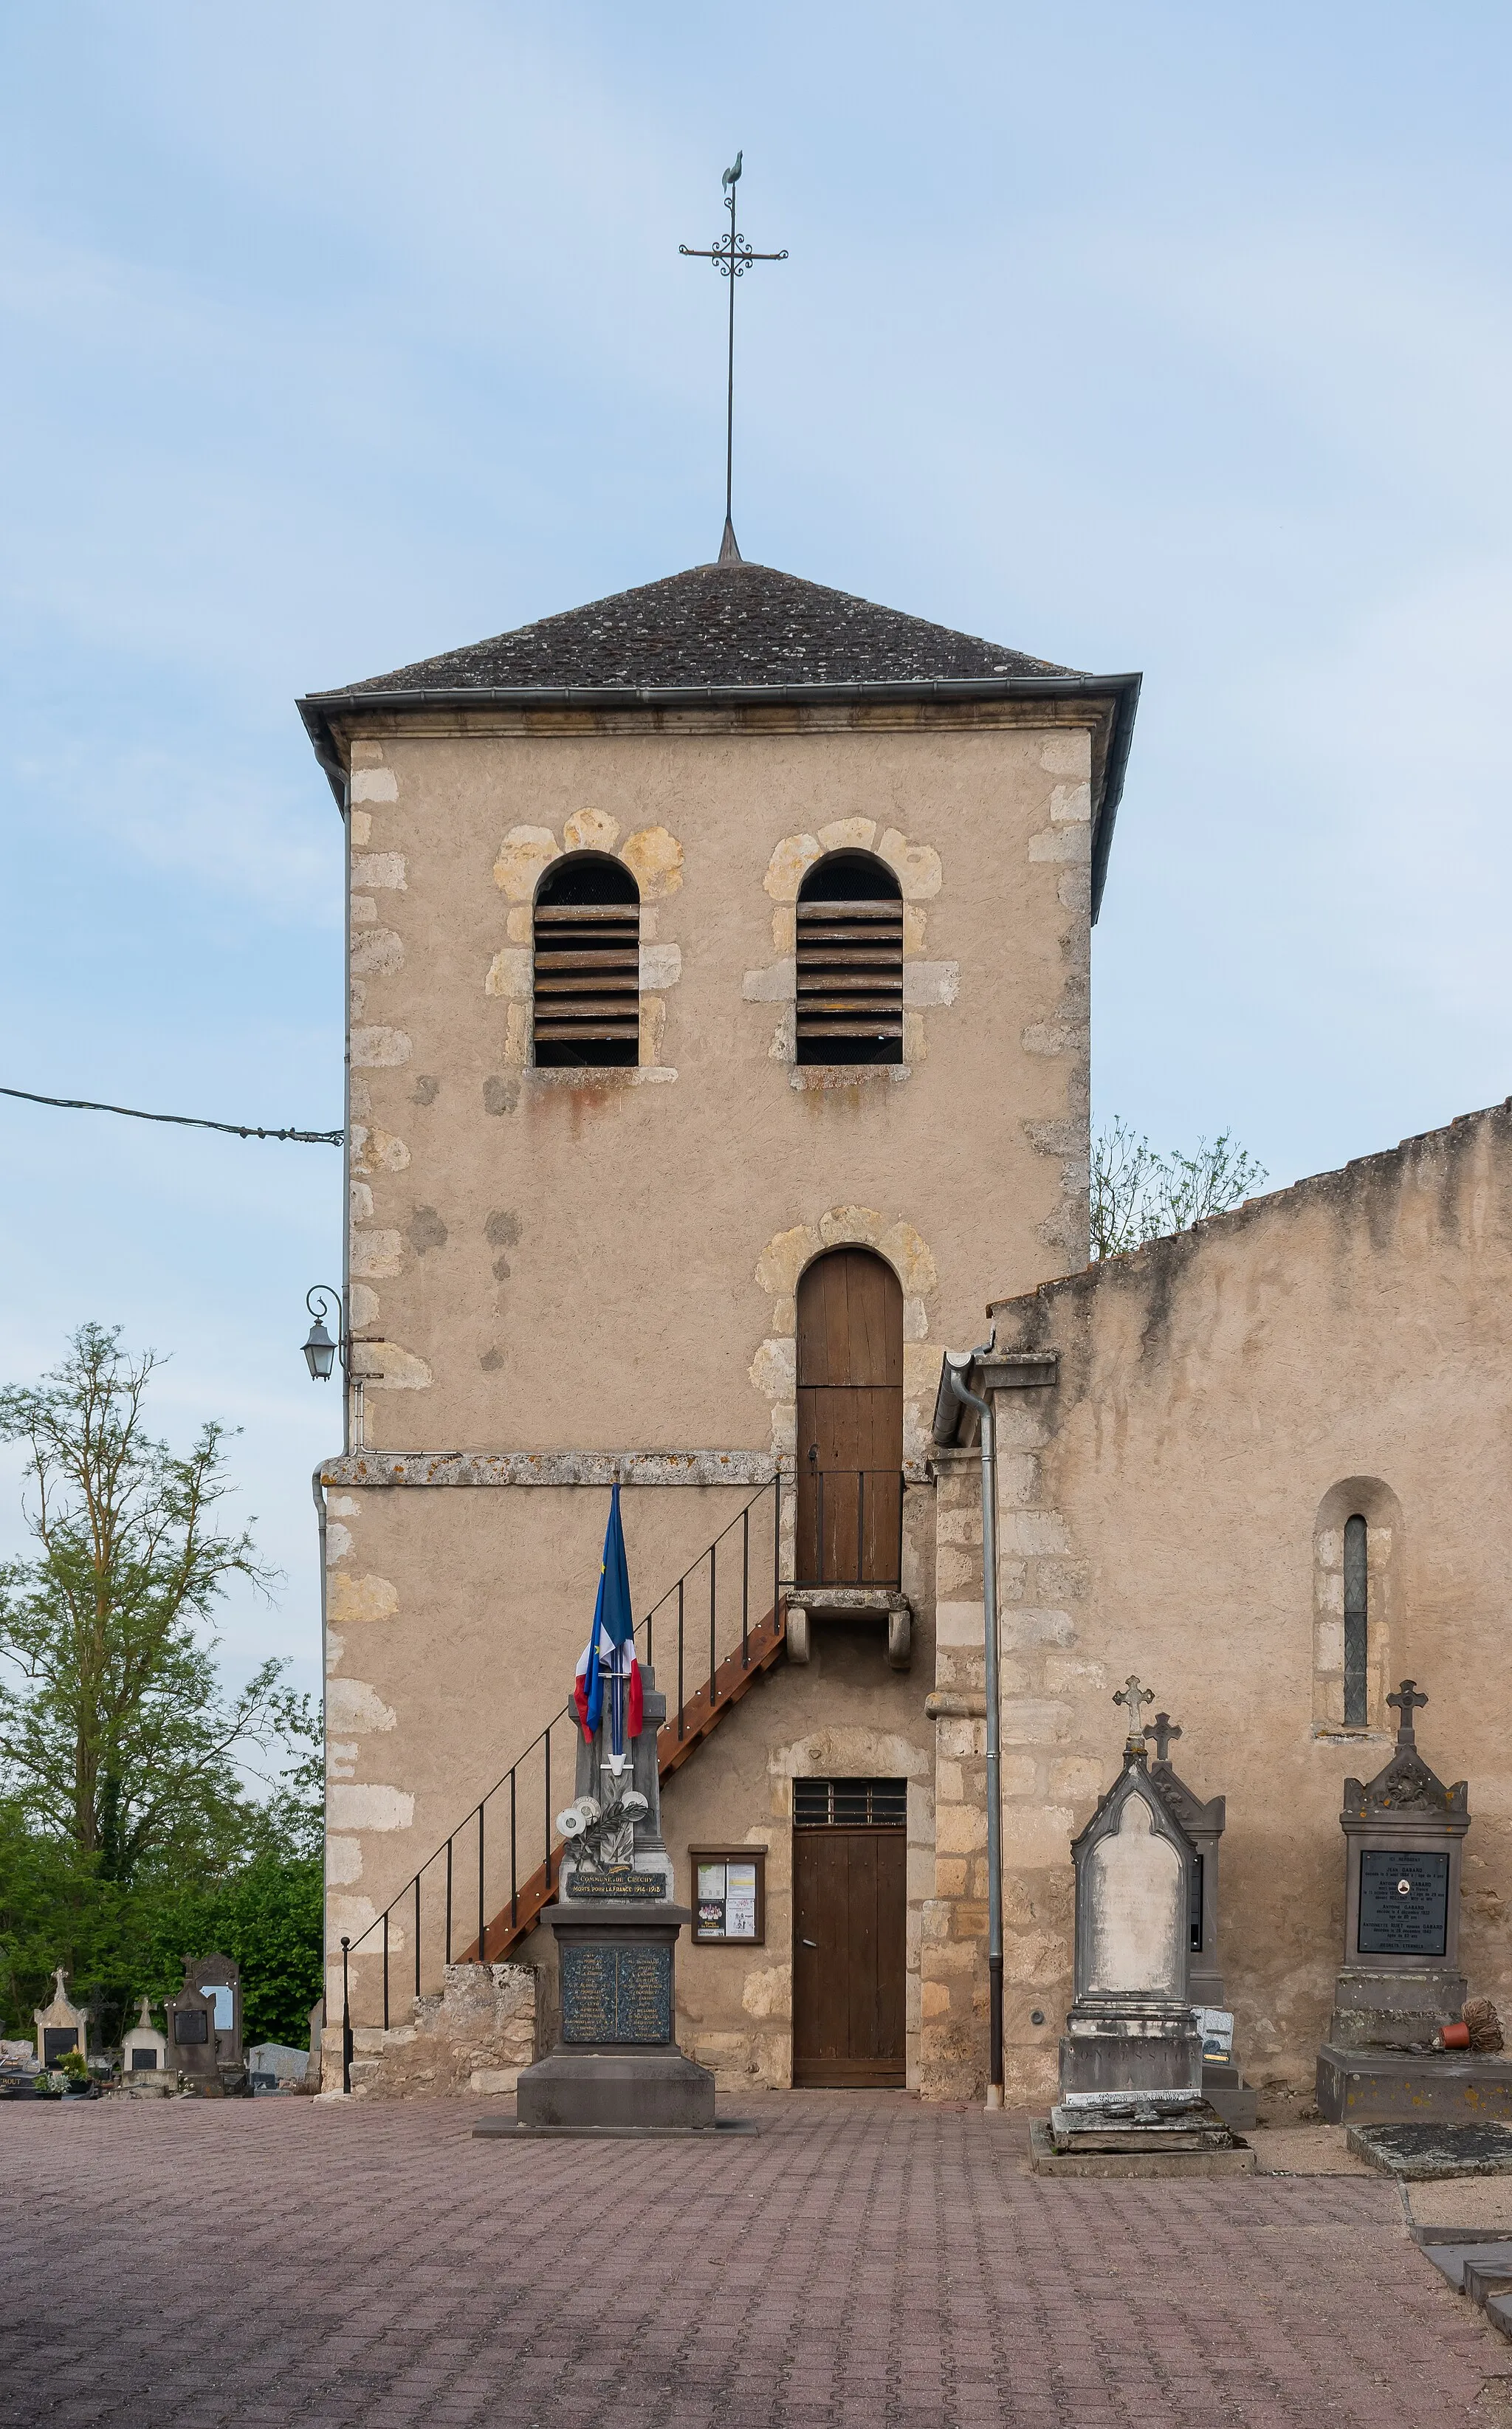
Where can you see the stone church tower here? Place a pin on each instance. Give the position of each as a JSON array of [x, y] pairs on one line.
[[718, 1047], [718, 1057]]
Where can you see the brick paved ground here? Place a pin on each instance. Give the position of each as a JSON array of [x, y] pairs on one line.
[[863, 2261]]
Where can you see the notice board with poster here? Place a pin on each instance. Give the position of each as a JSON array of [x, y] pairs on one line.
[[728, 1895]]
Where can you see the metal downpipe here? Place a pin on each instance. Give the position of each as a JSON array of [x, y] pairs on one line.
[[994, 1806]]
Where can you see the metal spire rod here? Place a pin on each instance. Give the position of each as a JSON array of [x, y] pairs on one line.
[[732, 257]]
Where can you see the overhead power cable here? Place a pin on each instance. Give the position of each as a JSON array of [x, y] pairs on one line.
[[185, 1122]]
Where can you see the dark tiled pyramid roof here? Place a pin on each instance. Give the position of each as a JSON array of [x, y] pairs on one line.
[[716, 624]]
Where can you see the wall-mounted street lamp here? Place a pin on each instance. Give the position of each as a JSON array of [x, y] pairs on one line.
[[320, 1351]]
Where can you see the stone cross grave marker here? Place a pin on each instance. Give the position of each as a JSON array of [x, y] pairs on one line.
[[1162, 1733], [1133, 1694]]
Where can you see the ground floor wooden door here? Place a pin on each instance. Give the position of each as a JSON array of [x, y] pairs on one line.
[[849, 1900]]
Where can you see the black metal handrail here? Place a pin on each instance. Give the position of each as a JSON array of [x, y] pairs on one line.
[[832, 1565], [527, 1785]]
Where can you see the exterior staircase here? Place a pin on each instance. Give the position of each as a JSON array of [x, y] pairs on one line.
[[485, 1888], [677, 1740]]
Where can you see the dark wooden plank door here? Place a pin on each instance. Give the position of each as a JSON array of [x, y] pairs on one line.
[[850, 1892], [850, 1420]]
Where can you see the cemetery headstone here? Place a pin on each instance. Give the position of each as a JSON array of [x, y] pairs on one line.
[[616, 2064], [220, 1978], [1400, 1983], [1203, 1820], [60, 2026], [273, 2066], [1131, 2057], [190, 2015], [144, 2053]]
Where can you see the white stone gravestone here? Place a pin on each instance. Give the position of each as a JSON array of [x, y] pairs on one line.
[[145, 2055], [1131, 2058]]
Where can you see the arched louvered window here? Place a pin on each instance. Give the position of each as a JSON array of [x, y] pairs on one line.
[[587, 962], [850, 961], [1356, 1622]]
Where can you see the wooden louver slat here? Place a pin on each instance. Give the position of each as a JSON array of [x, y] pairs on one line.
[[587, 977], [851, 972]]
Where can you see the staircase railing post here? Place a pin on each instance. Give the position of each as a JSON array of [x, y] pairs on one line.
[[776, 1540], [417, 1935], [448, 1957], [860, 1526], [482, 1923], [680, 1657], [745, 1585], [386, 1912], [714, 1602], [346, 2017], [514, 1887]]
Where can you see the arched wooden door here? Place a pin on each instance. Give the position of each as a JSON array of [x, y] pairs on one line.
[[850, 1421]]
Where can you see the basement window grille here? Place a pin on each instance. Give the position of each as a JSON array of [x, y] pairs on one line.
[[850, 961], [588, 964], [850, 1804]]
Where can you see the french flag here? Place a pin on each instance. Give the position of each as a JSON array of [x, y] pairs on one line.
[[608, 1659]]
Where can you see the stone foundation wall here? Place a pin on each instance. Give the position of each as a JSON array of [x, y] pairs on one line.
[[472, 2036]]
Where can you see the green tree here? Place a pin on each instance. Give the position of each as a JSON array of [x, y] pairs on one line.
[[128, 1837], [1138, 1195], [115, 1733]]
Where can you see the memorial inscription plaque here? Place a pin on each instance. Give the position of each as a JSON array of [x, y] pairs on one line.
[[192, 2025], [617, 1885], [616, 1995], [1404, 1902]]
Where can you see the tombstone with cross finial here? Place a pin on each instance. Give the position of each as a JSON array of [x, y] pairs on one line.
[[1203, 1820], [61, 2027], [1400, 1983], [1131, 2030]]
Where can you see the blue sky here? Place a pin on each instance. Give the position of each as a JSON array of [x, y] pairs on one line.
[[1174, 339]]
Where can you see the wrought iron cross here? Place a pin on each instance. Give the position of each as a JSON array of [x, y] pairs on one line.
[[1406, 1701], [732, 257], [1163, 1731], [1133, 1694]]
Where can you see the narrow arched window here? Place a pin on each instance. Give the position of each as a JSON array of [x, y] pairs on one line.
[[587, 962], [850, 961], [1357, 1620]]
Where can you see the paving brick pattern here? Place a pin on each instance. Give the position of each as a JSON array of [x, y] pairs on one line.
[[865, 2260]]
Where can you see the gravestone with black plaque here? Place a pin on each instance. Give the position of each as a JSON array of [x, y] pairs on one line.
[[616, 2067], [1400, 1983], [145, 2062], [189, 2016], [61, 2027], [209, 2049]]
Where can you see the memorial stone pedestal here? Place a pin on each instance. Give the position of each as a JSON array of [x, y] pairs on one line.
[[1131, 2058], [1400, 1983], [617, 2068]]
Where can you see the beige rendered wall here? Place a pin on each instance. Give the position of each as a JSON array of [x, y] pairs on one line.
[[1174, 1507], [570, 1263]]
